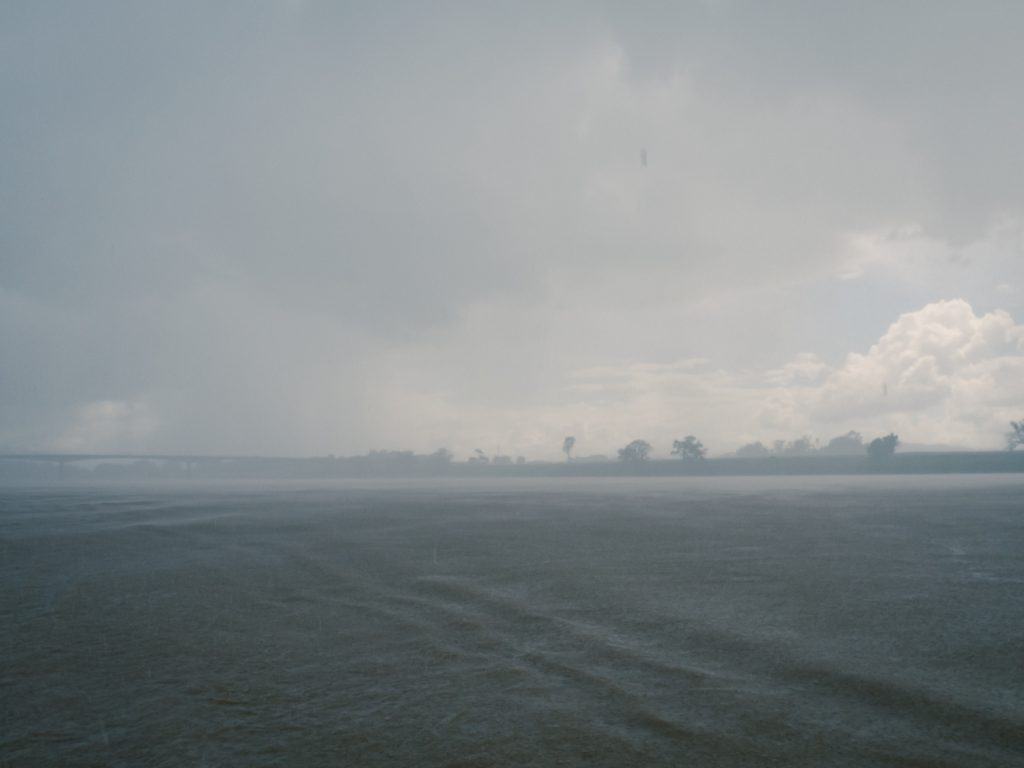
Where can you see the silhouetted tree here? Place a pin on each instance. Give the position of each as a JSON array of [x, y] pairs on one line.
[[635, 451], [1015, 436], [883, 447], [567, 446], [851, 442], [689, 448], [752, 450], [799, 447]]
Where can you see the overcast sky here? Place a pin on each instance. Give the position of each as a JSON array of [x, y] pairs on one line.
[[298, 228]]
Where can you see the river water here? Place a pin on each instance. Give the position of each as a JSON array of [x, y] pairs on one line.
[[848, 621]]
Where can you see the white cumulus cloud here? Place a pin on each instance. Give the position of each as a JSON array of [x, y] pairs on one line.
[[942, 374]]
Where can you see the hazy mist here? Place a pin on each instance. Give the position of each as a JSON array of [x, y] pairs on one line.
[[309, 228]]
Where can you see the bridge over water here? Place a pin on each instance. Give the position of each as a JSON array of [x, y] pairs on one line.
[[188, 460]]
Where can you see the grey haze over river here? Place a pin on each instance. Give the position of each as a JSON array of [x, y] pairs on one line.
[[855, 621]]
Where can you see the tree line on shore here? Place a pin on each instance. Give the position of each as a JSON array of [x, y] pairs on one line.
[[408, 463], [851, 443], [690, 448]]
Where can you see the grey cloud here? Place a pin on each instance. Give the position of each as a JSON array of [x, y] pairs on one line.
[[256, 220]]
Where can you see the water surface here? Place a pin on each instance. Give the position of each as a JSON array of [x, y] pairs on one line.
[[684, 621]]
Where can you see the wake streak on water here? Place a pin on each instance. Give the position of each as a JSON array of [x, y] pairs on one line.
[[712, 622]]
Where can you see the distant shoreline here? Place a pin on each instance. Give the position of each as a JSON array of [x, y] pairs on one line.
[[58, 466], [974, 462]]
